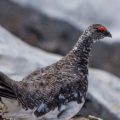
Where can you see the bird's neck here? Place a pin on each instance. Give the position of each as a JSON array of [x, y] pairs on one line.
[[81, 53]]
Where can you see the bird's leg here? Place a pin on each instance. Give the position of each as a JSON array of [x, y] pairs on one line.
[[70, 111]]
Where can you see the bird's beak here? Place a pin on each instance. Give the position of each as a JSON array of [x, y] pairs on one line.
[[108, 34]]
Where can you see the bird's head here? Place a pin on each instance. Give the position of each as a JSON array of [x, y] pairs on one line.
[[97, 31]]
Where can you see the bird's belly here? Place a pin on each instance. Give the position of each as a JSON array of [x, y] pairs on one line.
[[65, 112]]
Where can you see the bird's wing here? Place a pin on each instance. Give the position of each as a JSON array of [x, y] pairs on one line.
[[43, 79], [40, 89], [44, 89]]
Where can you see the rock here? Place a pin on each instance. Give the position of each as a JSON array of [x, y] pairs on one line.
[[105, 88], [105, 56], [52, 35], [78, 118], [17, 59], [37, 29], [87, 118]]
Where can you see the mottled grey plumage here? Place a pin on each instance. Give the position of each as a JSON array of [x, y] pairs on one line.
[[60, 87]]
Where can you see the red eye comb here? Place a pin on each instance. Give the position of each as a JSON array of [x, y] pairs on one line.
[[102, 28]]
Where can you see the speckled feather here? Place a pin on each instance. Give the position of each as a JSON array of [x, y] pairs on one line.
[[54, 85]]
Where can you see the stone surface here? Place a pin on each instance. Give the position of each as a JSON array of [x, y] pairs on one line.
[[17, 59], [37, 29], [105, 56], [87, 118], [105, 88]]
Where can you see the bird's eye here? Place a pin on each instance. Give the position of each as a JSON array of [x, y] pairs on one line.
[[102, 29]]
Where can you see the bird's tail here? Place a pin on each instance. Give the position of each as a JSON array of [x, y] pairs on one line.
[[6, 86]]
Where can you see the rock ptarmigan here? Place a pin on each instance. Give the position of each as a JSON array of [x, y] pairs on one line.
[[55, 92]]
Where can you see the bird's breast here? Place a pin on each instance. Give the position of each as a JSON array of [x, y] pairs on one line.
[[66, 111]]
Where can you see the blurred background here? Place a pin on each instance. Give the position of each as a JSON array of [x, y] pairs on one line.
[[55, 26]]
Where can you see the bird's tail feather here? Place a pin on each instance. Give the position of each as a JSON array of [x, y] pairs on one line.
[[6, 93], [6, 84]]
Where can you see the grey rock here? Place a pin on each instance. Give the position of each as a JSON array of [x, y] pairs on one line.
[[52, 35], [17, 59], [37, 29], [105, 88], [105, 56]]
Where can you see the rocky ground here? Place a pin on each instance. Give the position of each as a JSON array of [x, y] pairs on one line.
[[78, 118]]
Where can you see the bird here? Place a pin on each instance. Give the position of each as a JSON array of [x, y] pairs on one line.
[[55, 92]]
